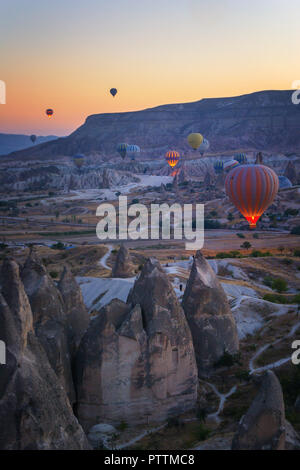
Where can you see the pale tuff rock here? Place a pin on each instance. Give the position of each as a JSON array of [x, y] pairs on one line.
[[34, 410], [77, 315], [136, 361], [209, 316], [263, 427], [123, 266], [49, 319]]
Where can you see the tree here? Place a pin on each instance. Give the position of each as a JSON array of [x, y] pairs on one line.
[[281, 249], [230, 217], [246, 245]]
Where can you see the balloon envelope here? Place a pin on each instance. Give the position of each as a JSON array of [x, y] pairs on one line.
[[78, 160], [252, 189], [113, 91], [49, 112], [33, 138], [172, 158], [122, 149], [219, 166], [195, 140], [230, 164], [241, 158], [284, 182], [204, 146], [132, 151]]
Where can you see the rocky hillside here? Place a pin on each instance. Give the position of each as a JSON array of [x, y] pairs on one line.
[[264, 120]]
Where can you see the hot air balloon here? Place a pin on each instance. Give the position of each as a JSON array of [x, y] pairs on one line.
[[172, 158], [33, 138], [284, 182], [49, 112], [204, 146], [230, 164], [252, 189], [113, 91], [195, 140], [122, 149], [132, 151], [241, 158], [219, 166], [78, 161]]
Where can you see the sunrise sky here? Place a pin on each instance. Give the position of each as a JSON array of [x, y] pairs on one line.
[[67, 54]]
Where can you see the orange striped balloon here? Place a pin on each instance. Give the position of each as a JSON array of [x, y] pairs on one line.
[[252, 189], [172, 158]]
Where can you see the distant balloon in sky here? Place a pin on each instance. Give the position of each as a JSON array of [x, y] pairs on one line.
[[195, 140], [230, 164], [113, 91], [252, 189], [122, 149], [49, 112], [204, 146], [172, 158], [33, 138], [78, 160], [132, 151]]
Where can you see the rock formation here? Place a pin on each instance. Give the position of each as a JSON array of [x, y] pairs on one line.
[[49, 319], [209, 316], [77, 316], [136, 361], [34, 410], [263, 426], [123, 266], [290, 173]]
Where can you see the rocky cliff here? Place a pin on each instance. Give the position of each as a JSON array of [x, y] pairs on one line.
[[264, 120], [209, 316], [136, 361]]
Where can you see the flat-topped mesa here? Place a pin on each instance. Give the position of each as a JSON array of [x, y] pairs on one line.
[[209, 316], [49, 319], [263, 427], [123, 266], [136, 361]]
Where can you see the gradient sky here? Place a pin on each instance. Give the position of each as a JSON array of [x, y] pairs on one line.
[[67, 54]]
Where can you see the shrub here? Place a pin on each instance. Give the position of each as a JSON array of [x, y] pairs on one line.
[[287, 261], [279, 285], [295, 230], [240, 235], [58, 246], [53, 274], [255, 235], [256, 254], [135, 201], [246, 245], [222, 255], [268, 281], [243, 375], [202, 432], [122, 426], [276, 298], [297, 253], [227, 360]]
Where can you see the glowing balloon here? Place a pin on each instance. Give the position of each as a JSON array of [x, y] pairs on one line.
[[172, 158], [195, 140], [132, 151], [49, 112], [33, 138], [122, 149], [113, 91], [252, 189]]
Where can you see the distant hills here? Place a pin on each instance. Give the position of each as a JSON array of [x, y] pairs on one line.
[[13, 142], [266, 120]]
